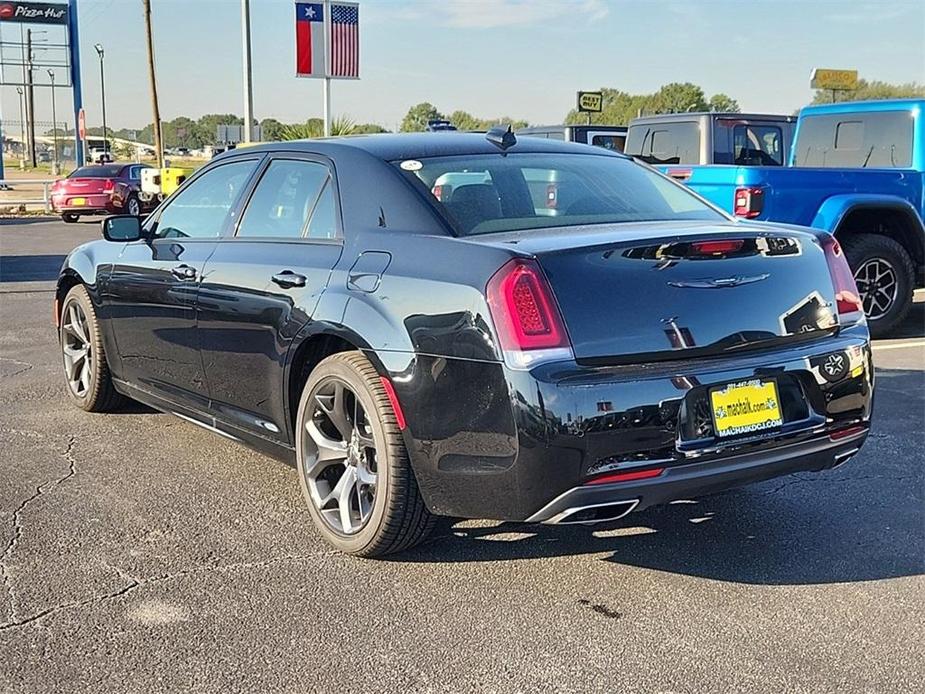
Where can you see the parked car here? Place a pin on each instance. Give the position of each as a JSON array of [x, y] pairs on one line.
[[858, 171], [743, 139], [100, 155], [99, 189], [611, 137], [472, 356]]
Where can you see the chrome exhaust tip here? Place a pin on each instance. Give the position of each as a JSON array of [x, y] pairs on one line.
[[843, 458], [595, 513]]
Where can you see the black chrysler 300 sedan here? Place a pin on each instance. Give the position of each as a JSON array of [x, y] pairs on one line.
[[472, 326]]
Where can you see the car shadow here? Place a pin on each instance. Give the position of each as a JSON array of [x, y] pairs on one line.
[[30, 268], [20, 221]]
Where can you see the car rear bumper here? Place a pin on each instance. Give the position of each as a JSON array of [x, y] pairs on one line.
[[602, 502], [92, 204], [489, 442]]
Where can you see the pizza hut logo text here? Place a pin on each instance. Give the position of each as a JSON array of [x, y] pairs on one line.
[[41, 12]]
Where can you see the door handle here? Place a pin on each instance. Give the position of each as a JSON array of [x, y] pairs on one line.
[[288, 279], [184, 272]]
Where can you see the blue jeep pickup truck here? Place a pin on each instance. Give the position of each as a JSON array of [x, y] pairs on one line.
[[856, 170]]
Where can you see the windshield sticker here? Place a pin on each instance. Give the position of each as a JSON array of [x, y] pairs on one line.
[[412, 165]]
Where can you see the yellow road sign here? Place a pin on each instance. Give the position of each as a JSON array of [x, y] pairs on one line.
[[834, 79], [590, 101]]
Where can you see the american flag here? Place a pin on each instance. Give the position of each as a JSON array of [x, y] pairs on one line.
[[345, 40]]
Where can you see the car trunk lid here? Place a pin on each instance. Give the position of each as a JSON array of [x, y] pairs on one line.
[[632, 293]]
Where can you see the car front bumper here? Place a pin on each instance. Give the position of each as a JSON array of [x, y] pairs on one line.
[[486, 441]]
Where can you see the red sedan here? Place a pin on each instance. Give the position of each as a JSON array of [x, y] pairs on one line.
[[99, 189]]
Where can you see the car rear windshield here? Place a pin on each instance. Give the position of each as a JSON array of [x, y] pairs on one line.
[[485, 193], [102, 171], [855, 140]]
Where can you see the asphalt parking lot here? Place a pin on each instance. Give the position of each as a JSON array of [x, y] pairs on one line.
[[140, 553]]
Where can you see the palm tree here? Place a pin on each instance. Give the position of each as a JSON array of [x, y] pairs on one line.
[[314, 127]]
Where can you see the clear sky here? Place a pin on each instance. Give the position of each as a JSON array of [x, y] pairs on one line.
[[522, 58]]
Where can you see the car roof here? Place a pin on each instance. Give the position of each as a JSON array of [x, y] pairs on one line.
[[665, 117], [865, 106], [394, 147]]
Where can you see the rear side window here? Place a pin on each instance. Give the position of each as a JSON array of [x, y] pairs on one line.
[[856, 140], [284, 199], [665, 143]]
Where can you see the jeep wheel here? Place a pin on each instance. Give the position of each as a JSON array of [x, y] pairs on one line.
[[885, 278]]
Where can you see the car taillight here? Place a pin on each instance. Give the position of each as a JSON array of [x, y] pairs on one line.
[[847, 299], [527, 319], [438, 192], [749, 202], [109, 185]]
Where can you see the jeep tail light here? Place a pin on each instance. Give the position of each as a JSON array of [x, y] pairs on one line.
[[847, 298], [749, 202], [529, 326]]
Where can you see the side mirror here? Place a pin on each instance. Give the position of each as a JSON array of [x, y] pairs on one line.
[[122, 228]]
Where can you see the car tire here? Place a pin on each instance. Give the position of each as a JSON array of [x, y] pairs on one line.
[[89, 382], [885, 277], [69, 217], [361, 493], [133, 206]]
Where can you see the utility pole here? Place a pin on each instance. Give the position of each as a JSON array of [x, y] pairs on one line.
[[54, 120], [22, 127], [101, 53], [153, 82], [30, 99], [248, 86]]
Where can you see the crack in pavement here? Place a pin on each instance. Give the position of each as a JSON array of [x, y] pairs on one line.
[[40, 490], [26, 367], [135, 583]]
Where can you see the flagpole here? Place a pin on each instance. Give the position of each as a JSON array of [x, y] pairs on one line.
[[248, 86], [326, 11]]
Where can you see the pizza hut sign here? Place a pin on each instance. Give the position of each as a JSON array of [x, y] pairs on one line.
[[33, 12]]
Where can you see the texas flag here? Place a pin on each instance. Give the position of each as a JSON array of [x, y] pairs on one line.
[[309, 39]]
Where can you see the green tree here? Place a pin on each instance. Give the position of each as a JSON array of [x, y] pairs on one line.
[[418, 115], [678, 97], [207, 125], [722, 103], [872, 91], [272, 129], [368, 128]]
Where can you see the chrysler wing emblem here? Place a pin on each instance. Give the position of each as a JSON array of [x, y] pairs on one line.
[[719, 282]]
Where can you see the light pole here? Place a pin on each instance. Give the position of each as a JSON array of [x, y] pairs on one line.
[[99, 50], [22, 128], [54, 120]]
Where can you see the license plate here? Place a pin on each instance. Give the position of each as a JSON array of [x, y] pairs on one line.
[[79, 202], [745, 408]]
